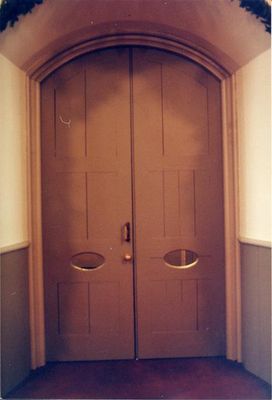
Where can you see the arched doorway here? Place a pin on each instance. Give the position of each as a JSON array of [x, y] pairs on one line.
[[232, 285], [133, 219]]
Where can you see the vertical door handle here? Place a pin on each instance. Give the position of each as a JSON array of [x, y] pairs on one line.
[[126, 232]]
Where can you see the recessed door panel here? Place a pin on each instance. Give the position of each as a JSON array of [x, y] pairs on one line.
[[69, 118], [185, 117], [71, 297]]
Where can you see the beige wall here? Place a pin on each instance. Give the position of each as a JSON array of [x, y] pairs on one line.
[[13, 157], [254, 133], [254, 130]]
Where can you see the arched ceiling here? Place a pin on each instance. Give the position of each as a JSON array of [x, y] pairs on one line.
[[219, 28]]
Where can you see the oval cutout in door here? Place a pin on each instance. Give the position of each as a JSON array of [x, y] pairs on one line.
[[87, 261], [181, 258]]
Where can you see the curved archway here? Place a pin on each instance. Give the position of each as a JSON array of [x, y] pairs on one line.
[[161, 42], [36, 74]]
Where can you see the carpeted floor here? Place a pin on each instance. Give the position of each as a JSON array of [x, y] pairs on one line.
[[187, 378]]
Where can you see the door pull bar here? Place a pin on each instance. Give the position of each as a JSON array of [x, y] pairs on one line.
[[126, 232]]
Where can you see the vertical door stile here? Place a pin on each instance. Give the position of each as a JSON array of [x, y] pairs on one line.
[[133, 200]]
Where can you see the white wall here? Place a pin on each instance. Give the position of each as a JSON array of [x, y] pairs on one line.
[[13, 155], [254, 133], [254, 130]]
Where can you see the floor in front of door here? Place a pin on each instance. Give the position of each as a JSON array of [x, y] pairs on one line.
[[187, 378]]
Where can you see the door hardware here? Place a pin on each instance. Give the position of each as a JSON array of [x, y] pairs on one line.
[[126, 232], [127, 257]]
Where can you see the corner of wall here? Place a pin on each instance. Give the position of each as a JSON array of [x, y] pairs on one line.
[[254, 157], [15, 330]]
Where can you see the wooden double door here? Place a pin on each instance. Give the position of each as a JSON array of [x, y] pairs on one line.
[[132, 170]]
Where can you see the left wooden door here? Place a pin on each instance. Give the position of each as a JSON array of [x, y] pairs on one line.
[[86, 195]]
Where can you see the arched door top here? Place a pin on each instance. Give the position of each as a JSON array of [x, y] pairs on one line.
[[39, 72]]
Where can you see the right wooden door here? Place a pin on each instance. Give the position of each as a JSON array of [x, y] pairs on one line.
[[178, 195]]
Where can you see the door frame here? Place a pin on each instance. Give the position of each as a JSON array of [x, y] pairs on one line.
[[39, 71]]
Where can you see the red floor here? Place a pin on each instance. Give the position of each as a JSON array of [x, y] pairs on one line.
[[202, 378]]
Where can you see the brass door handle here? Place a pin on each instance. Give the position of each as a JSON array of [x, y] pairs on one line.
[[127, 257]]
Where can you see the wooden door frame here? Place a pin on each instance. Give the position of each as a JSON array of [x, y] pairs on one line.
[[36, 73]]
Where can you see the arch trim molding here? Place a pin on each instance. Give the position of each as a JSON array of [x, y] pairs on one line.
[[36, 73], [39, 70]]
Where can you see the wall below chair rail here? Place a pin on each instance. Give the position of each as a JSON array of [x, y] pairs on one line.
[[15, 333], [256, 309]]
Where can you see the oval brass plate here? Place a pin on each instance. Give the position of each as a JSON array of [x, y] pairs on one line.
[[181, 258], [87, 261]]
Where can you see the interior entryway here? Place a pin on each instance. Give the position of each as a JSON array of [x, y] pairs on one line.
[[132, 171]]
